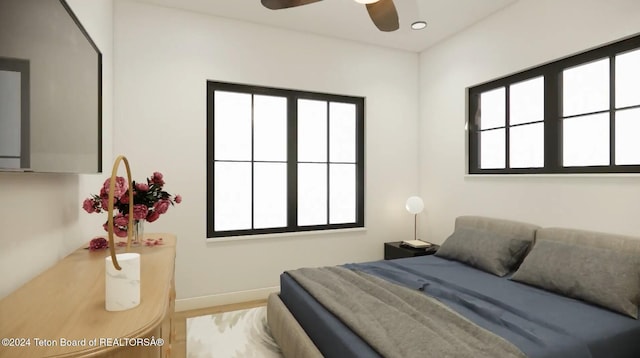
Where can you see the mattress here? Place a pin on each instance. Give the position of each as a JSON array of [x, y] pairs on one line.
[[541, 324]]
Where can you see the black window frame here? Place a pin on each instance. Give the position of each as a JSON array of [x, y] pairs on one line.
[[292, 157], [552, 74]]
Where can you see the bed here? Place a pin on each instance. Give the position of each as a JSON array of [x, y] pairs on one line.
[[521, 311]]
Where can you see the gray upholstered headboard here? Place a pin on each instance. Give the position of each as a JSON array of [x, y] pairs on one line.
[[521, 230], [601, 240]]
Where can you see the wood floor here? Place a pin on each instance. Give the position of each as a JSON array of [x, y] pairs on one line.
[[179, 345]]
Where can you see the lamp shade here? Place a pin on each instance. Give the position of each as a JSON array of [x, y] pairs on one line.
[[415, 205]]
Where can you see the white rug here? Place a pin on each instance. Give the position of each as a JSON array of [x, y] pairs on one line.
[[236, 334]]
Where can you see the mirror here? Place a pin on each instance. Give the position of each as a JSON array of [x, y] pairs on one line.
[[50, 90]]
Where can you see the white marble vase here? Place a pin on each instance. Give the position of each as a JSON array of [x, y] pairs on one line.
[[122, 287]]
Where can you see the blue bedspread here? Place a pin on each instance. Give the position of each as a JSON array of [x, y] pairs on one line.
[[540, 323]]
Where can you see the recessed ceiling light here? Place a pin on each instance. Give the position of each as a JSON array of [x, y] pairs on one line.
[[419, 25], [366, 1]]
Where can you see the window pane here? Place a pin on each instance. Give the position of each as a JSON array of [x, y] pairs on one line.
[[342, 189], [526, 146], [586, 88], [492, 108], [627, 142], [232, 203], [312, 194], [628, 79], [342, 132], [270, 128], [586, 140], [270, 195], [312, 131], [232, 126], [492, 149], [527, 101]]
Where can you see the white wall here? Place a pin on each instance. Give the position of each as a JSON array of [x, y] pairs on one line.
[[524, 35], [41, 219], [163, 59]]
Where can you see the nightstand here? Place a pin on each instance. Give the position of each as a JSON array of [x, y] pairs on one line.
[[393, 250]]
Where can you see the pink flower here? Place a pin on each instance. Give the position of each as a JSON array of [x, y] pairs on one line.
[[89, 206], [140, 211], [105, 203], [121, 187], [98, 243], [157, 179], [143, 187], [152, 242], [119, 232], [120, 220], [120, 223], [153, 216], [161, 206], [125, 198], [178, 199]]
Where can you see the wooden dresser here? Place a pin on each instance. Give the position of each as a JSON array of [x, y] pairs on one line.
[[61, 313]]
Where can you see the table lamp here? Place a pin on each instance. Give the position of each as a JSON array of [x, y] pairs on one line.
[[415, 205]]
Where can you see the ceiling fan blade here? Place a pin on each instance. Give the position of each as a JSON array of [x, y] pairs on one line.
[[283, 4], [384, 15]]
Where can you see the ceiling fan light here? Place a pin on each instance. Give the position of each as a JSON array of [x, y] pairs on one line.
[[419, 25], [366, 1]]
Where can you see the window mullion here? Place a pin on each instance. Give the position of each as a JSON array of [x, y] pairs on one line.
[[507, 127], [612, 111], [328, 165], [292, 161], [552, 120], [253, 165]]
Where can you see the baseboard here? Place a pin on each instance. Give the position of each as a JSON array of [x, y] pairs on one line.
[[195, 303]]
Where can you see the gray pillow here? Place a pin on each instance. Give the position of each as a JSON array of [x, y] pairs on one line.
[[488, 251], [604, 277]]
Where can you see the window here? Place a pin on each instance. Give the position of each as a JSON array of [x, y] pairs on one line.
[[580, 114], [282, 160]]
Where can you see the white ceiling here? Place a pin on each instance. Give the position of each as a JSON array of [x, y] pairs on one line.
[[347, 19]]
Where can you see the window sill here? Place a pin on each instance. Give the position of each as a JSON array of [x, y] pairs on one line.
[[213, 240]]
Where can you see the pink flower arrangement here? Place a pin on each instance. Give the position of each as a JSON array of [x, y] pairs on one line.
[[149, 201]]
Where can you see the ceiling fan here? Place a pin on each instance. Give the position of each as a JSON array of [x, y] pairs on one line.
[[383, 13]]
